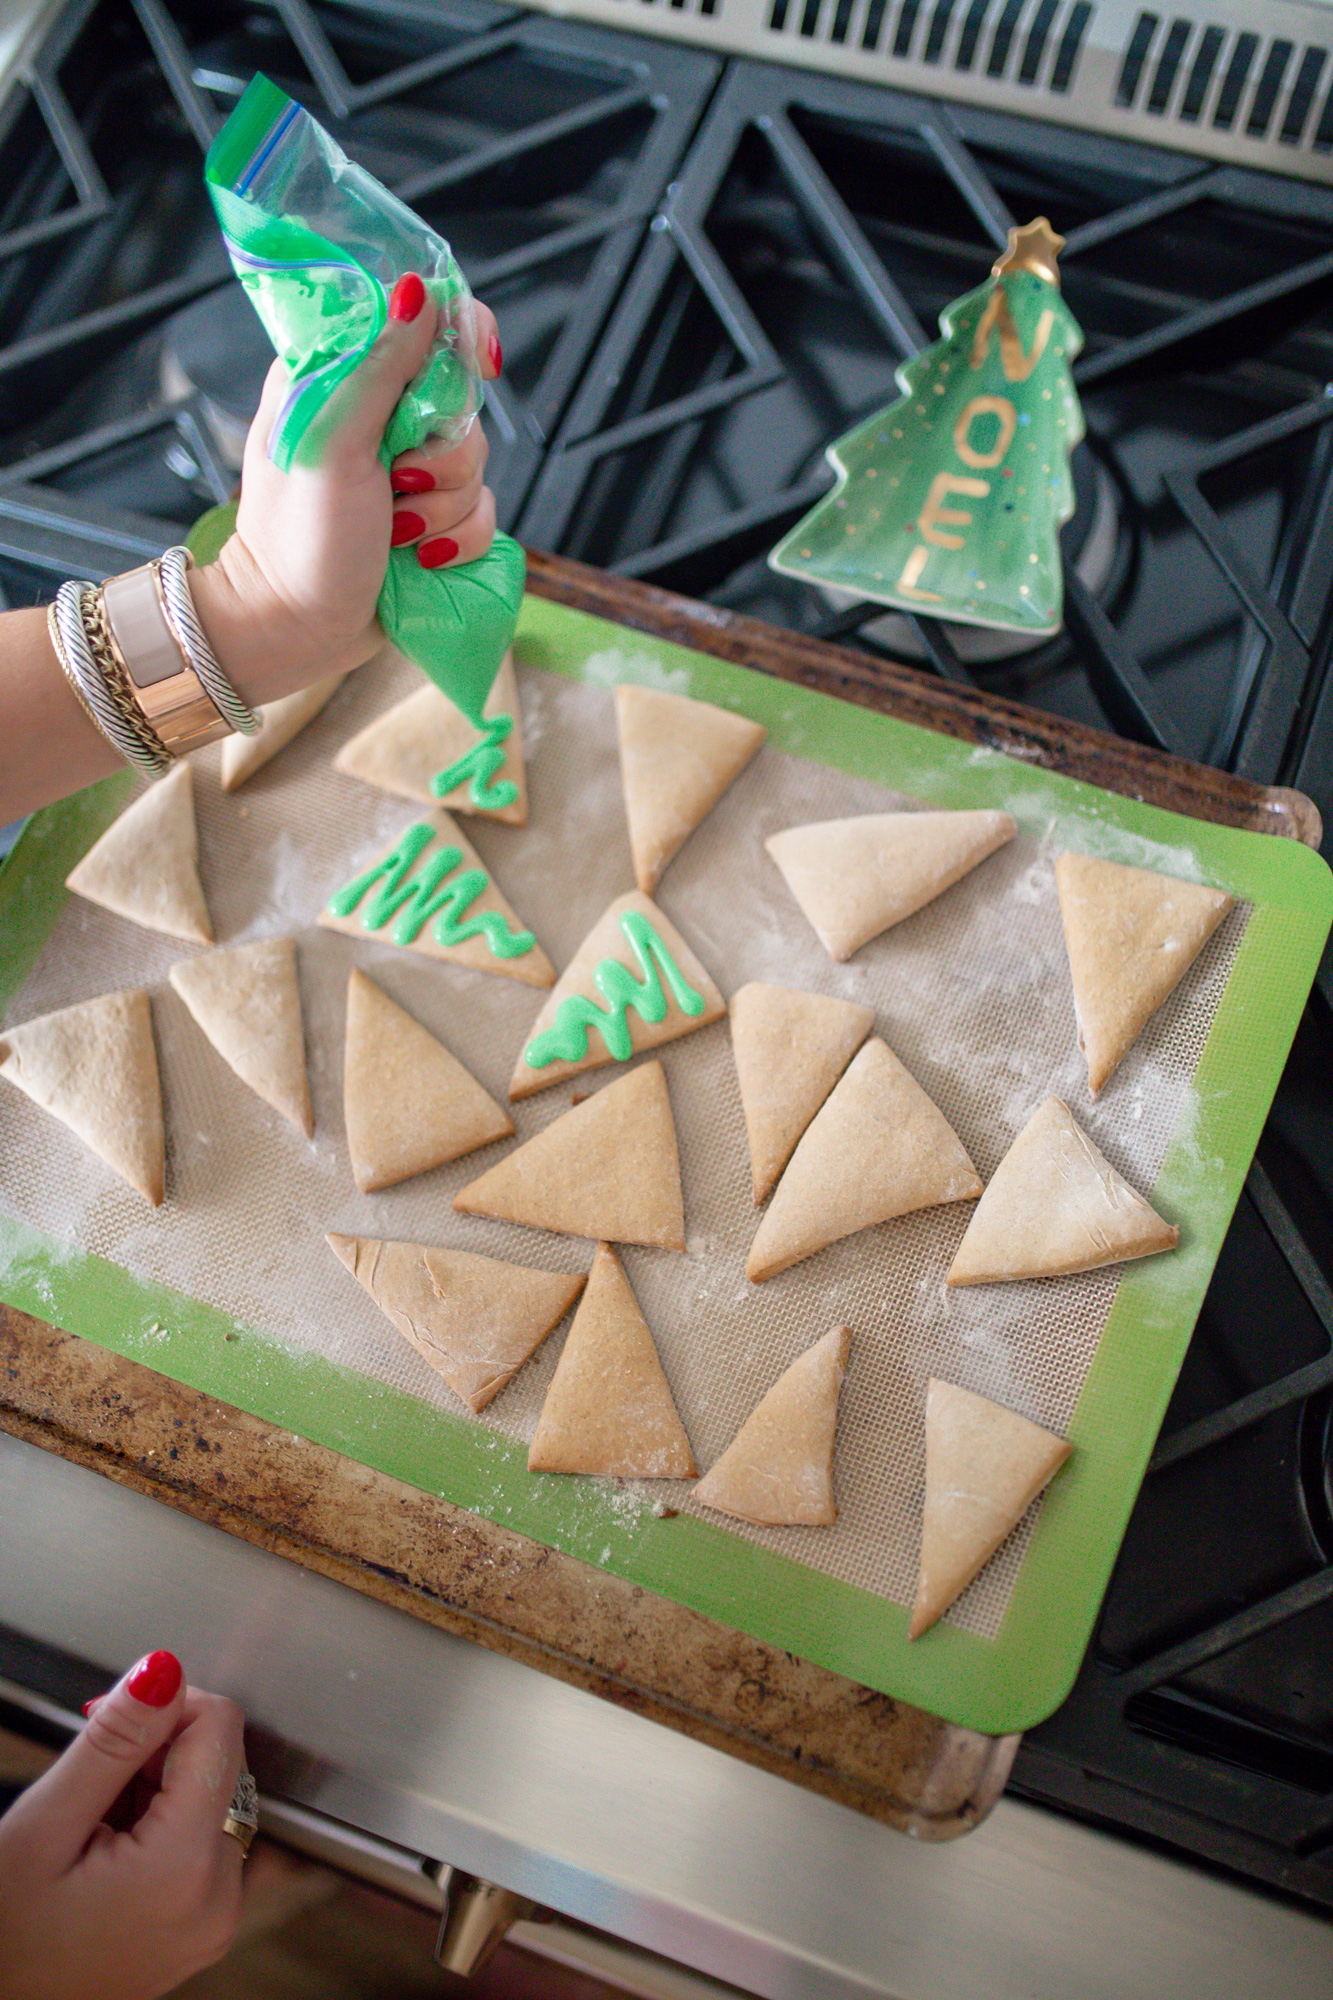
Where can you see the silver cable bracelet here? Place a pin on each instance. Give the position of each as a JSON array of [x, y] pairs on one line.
[[189, 636], [77, 657]]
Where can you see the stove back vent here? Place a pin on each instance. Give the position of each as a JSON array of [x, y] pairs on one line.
[[1248, 83]]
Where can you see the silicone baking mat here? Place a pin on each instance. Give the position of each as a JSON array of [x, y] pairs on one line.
[[231, 1289]]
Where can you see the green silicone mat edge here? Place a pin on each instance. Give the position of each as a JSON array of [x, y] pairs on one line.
[[995, 1685]]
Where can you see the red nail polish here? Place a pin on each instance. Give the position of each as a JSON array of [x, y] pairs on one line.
[[497, 358], [156, 1679], [89, 1706], [440, 549], [412, 479], [406, 527], [407, 297]]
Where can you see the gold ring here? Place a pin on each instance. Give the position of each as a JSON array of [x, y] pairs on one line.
[[242, 1818], [240, 1831]]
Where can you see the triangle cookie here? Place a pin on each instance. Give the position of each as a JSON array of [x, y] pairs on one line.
[[474, 1319], [609, 1169], [677, 757], [403, 750], [878, 1148], [409, 1105], [1131, 935], [609, 1410], [790, 1050], [279, 722], [95, 1068], [248, 1003], [145, 866], [985, 1465], [778, 1469], [855, 877], [1055, 1206], [433, 893], [632, 955]]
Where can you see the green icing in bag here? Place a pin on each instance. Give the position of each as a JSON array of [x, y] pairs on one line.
[[318, 244], [455, 623]]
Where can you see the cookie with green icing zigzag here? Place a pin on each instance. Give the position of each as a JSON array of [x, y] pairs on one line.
[[432, 893], [425, 738], [632, 984]]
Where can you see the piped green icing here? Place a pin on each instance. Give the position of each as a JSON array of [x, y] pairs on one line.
[[566, 1040], [428, 896], [481, 763]]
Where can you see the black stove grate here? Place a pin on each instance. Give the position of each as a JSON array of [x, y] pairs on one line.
[[703, 273], [808, 246], [107, 238], [1203, 1713]]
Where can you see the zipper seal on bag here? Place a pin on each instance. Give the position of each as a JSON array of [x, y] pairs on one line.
[[264, 121], [266, 147]]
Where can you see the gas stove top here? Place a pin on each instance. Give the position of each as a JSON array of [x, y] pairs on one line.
[[705, 267]]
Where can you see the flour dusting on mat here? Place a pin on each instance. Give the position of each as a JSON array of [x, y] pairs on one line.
[[972, 994], [609, 668]]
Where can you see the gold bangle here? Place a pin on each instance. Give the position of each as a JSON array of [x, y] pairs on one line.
[[98, 683], [115, 675], [58, 647]]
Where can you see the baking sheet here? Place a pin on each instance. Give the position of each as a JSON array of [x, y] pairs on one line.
[[231, 1287]]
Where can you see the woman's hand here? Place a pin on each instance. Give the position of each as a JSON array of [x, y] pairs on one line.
[[116, 1879], [292, 596], [440, 502]]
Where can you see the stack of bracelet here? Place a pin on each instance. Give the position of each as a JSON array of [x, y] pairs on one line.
[[135, 654]]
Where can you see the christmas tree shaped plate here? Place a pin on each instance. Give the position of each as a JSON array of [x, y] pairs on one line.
[[950, 501], [230, 1288]]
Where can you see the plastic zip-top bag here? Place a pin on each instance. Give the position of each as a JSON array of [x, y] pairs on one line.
[[318, 244]]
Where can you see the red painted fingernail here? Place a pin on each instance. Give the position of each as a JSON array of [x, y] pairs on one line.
[[89, 1706], [412, 479], [156, 1679], [497, 358], [440, 549], [406, 527], [407, 297]]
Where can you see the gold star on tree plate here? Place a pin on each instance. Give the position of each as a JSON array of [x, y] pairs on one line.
[[1036, 248]]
